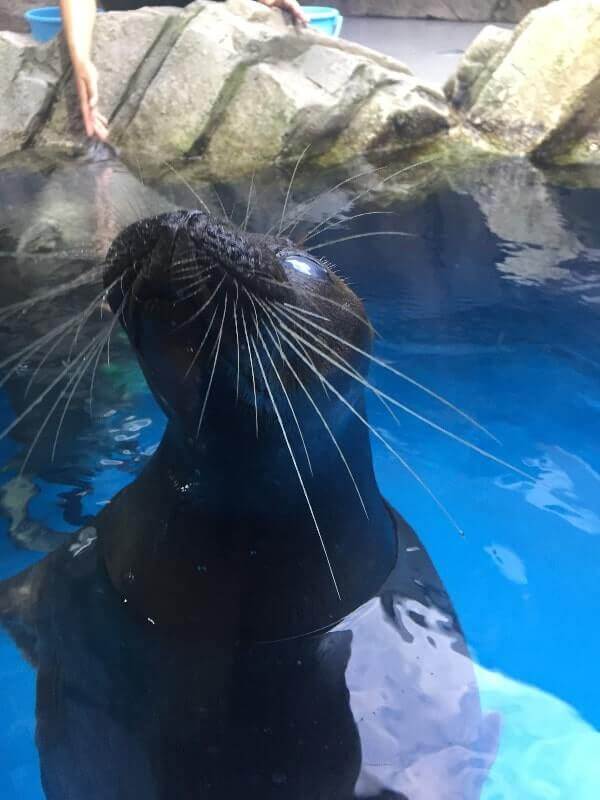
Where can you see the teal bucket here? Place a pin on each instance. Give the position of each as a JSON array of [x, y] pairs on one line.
[[45, 22], [324, 19]]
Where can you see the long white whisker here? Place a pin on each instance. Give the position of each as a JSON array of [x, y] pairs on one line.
[[295, 221], [218, 196], [31, 349], [43, 361], [306, 312], [237, 341], [307, 354], [340, 361], [25, 305], [185, 265], [380, 363], [370, 189], [289, 189], [59, 333], [408, 410], [286, 395], [377, 435], [108, 347], [201, 345], [80, 316], [80, 357], [248, 204], [94, 370], [76, 379], [188, 187], [214, 364], [197, 313], [251, 370], [298, 473], [189, 273], [309, 293], [311, 400], [346, 220], [89, 310], [366, 235], [196, 286]]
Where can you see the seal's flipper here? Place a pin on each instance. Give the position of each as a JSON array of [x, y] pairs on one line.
[[19, 609]]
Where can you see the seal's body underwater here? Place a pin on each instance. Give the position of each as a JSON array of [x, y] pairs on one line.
[[248, 618]]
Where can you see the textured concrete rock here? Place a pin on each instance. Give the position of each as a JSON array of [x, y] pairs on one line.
[[477, 65], [287, 100], [232, 84], [587, 150], [401, 114], [123, 45], [473, 10], [199, 77], [270, 91], [29, 76], [539, 93]]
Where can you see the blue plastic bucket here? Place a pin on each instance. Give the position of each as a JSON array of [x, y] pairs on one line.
[[324, 19], [45, 22]]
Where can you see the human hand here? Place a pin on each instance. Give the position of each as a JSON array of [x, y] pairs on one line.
[[86, 80], [292, 6]]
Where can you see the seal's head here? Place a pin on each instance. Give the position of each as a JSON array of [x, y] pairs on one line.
[[256, 352], [206, 304]]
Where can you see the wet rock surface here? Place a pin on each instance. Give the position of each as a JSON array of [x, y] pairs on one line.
[[29, 81], [236, 88], [232, 84], [536, 91]]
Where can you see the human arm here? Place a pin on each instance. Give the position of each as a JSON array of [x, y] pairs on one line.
[[78, 21], [292, 6]]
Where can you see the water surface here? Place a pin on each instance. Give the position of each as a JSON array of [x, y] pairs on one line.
[[492, 300]]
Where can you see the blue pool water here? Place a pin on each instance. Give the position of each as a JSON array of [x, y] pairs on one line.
[[492, 300], [520, 352]]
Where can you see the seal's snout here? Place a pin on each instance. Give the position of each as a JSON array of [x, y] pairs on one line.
[[147, 253], [237, 255], [207, 305]]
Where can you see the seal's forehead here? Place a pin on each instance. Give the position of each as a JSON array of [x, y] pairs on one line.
[[147, 231]]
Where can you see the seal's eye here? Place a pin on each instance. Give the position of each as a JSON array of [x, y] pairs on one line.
[[305, 265]]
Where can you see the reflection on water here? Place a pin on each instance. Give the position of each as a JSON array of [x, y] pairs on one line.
[[547, 749], [492, 302], [564, 479]]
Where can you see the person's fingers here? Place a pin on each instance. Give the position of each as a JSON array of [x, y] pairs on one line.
[[296, 11], [92, 92], [87, 89], [101, 118], [293, 7], [86, 111], [101, 130], [91, 75]]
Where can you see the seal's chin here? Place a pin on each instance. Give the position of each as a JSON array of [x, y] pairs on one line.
[[208, 307]]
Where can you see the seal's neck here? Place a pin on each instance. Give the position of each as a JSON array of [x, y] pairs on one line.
[[227, 520]]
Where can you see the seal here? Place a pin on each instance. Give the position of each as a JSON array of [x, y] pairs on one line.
[[249, 617]]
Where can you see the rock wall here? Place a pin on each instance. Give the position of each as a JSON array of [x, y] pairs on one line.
[[233, 88], [535, 91], [457, 10], [232, 84]]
